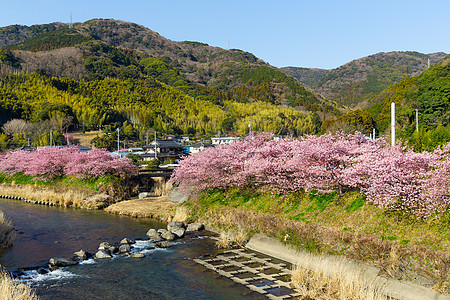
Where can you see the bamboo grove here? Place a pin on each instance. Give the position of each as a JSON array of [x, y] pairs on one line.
[[145, 103]]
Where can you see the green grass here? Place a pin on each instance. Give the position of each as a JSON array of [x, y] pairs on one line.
[[356, 204], [347, 212], [93, 184], [299, 242]]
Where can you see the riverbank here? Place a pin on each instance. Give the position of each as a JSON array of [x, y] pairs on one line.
[[405, 249], [391, 279], [159, 208], [338, 277], [68, 192]]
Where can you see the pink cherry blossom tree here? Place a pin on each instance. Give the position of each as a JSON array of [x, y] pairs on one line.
[[48, 163], [391, 177]]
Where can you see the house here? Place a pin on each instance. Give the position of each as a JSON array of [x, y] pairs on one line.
[[178, 139], [165, 150], [223, 140], [198, 147]]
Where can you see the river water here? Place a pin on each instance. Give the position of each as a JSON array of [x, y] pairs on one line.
[[44, 232]]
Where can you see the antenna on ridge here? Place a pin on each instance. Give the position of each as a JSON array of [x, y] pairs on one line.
[[228, 43], [70, 24]]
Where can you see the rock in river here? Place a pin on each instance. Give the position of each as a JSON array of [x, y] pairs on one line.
[[195, 227], [104, 245], [175, 225], [102, 254], [163, 244], [168, 236], [157, 238], [138, 255], [124, 248], [82, 255], [179, 232], [162, 230], [126, 241], [61, 262], [152, 233]]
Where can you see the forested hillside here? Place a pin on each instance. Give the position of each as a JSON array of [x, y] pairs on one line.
[[98, 48], [109, 74], [309, 76], [354, 83], [137, 106], [429, 93]]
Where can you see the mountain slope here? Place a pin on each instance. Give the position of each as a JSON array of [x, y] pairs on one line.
[[429, 93], [195, 63], [309, 76], [354, 83]]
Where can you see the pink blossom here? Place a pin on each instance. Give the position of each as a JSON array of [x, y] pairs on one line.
[[391, 177], [47, 163]]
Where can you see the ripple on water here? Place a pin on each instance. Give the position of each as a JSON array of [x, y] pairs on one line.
[[33, 276]]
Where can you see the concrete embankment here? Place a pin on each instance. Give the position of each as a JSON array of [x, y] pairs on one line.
[[349, 269]]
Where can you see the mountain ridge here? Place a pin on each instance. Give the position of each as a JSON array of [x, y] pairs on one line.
[[355, 82], [199, 63]]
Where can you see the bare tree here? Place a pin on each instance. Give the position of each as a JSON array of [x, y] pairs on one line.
[[16, 126], [61, 122]]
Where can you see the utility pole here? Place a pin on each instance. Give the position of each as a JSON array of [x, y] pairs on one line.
[[146, 140], [51, 137], [156, 156], [417, 120], [118, 140], [374, 134], [250, 128], [392, 123]]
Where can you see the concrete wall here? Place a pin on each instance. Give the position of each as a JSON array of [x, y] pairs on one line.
[[349, 269]]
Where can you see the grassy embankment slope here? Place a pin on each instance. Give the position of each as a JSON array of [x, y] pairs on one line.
[[404, 248]]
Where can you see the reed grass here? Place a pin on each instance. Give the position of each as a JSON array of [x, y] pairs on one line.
[[181, 214], [58, 196], [6, 231], [328, 283], [232, 239], [11, 289]]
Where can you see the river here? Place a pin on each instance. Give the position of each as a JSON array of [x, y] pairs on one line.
[[44, 232]]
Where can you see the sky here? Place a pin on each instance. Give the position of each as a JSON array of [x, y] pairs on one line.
[[304, 33]]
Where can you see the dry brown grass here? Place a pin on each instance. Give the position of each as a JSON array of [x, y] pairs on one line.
[[14, 290], [416, 263], [67, 198], [161, 186], [84, 139], [6, 231], [320, 285], [232, 239], [181, 214], [160, 208]]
